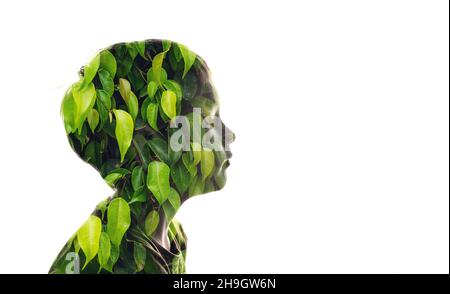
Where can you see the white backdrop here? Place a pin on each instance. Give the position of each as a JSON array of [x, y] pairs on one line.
[[340, 108]]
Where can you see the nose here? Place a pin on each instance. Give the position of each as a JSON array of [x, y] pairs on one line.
[[229, 137]]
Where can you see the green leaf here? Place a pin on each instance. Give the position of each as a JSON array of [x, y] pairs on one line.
[[151, 222], [170, 207], [119, 220], [104, 98], [158, 180], [129, 97], [140, 47], [140, 144], [180, 177], [197, 152], [102, 206], [107, 81], [112, 178], [124, 89], [90, 69], [188, 57], [152, 115], [166, 45], [88, 236], [197, 187], [84, 97], [174, 199], [133, 105], [93, 119], [159, 147], [139, 254], [152, 87], [174, 87], [104, 251], [157, 66], [169, 103], [108, 62], [139, 196], [124, 131], [136, 178], [152, 77], [207, 162], [208, 106], [69, 112]]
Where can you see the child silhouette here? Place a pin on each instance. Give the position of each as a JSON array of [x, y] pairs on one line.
[[145, 115]]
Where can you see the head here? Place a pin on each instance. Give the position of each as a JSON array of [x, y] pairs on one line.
[[146, 116]]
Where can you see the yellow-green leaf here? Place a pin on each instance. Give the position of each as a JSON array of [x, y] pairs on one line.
[[151, 89], [88, 237], [84, 97], [129, 97], [69, 111], [124, 131], [157, 66], [119, 220], [124, 88], [108, 62], [207, 162], [90, 70], [152, 115], [169, 103], [104, 251]]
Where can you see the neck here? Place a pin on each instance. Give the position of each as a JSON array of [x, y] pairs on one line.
[[161, 233]]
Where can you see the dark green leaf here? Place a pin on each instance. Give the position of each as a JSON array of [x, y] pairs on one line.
[[151, 222], [159, 147]]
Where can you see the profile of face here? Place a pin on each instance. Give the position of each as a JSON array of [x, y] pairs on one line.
[[162, 95], [146, 116]]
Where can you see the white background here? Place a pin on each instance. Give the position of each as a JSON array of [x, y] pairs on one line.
[[341, 111]]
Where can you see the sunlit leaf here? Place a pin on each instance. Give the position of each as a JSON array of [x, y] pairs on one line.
[[88, 237], [69, 112], [90, 69], [124, 131], [119, 220], [169, 103], [84, 97], [152, 87], [108, 62], [152, 115], [157, 66]]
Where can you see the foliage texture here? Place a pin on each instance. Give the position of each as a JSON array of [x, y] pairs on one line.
[[117, 119]]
